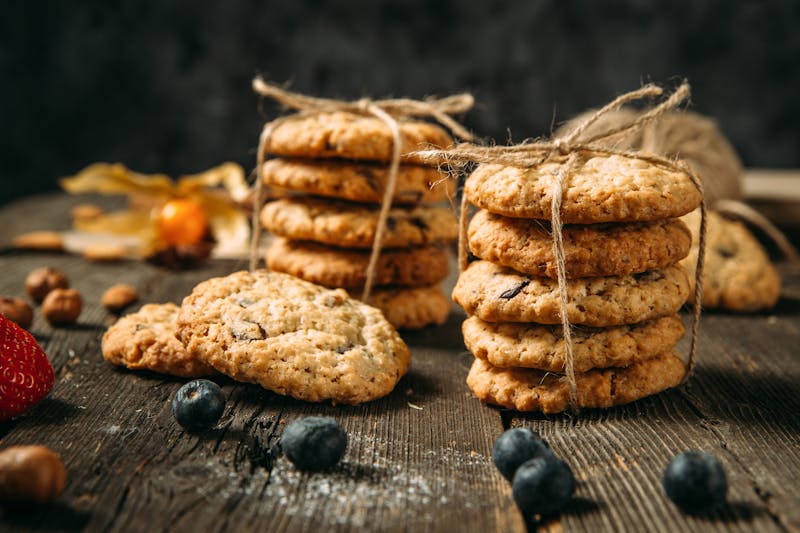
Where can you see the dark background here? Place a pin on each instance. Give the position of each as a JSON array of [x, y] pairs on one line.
[[164, 86]]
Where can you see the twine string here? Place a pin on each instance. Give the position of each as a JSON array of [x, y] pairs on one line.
[[463, 253], [566, 151], [258, 196], [561, 269], [438, 108], [386, 201]]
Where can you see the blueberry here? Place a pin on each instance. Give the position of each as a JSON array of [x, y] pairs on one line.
[[314, 443], [543, 485], [695, 481], [198, 405], [516, 446]]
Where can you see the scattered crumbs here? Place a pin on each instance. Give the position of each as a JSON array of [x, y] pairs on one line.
[[584, 473], [71, 352], [81, 407], [414, 406], [379, 486], [84, 501], [368, 487], [118, 430], [746, 362], [772, 319]]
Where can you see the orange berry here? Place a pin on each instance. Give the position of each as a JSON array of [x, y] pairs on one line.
[[182, 221]]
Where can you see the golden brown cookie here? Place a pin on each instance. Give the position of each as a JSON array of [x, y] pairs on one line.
[[146, 340], [507, 345], [410, 308], [336, 267], [498, 294], [525, 389], [349, 136], [609, 249], [357, 182], [293, 337], [601, 189], [738, 274], [351, 225]]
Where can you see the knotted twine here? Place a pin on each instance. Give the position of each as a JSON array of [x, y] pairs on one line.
[[390, 112], [566, 150]]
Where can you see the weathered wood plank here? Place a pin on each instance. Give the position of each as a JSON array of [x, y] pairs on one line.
[[417, 460], [742, 405]]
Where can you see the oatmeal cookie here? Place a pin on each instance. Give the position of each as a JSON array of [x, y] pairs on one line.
[[293, 337]]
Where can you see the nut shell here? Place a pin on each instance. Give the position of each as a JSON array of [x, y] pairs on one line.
[[43, 280], [62, 306], [118, 297], [16, 310], [31, 473]]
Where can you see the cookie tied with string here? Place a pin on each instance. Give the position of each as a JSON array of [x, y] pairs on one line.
[[359, 214], [345, 135], [361, 182], [603, 188], [579, 246]]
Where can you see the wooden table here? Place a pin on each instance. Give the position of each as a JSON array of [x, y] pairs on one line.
[[419, 459]]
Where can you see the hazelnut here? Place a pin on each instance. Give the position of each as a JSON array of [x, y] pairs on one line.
[[43, 280], [62, 306], [16, 310], [118, 297], [31, 473]]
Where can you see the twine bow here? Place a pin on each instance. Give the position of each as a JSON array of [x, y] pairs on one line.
[[388, 111], [566, 150]]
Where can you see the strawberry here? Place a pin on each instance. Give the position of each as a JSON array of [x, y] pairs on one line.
[[26, 375]]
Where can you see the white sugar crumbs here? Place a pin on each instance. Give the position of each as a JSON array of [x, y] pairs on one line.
[[382, 487], [423, 482]]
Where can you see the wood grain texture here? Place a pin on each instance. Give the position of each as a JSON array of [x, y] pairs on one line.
[[417, 460], [741, 405]]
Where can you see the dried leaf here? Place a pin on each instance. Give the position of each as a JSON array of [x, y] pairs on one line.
[[228, 175], [133, 223], [106, 178], [229, 225], [213, 190]]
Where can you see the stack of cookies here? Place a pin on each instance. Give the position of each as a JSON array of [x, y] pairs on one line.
[[334, 167], [622, 243]]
